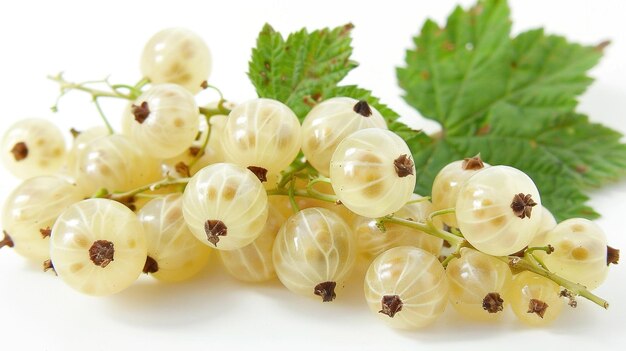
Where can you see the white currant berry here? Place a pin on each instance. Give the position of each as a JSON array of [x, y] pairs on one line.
[[548, 222], [494, 210], [372, 241], [33, 147], [261, 133], [113, 162], [478, 285], [447, 183], [179, 56], [253, 262], [225, 206], [535, 300], [406, 287], [314, 252], [31, 210], [194, 159], [331, 121], [580, 252], [163, 121], [372, 172], [98, 247], [79, 144], [174, 253]]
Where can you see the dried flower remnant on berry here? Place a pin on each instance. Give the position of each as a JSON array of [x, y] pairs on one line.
[[403, 165], [363, 108], [75, 132], [537, 307], [151, 265], [612, 255], [570, 296], [141, 112], [215, 228], [259, 172], [6, 241], [204, 84], [47, 265], [391, 304], [182, 169], [45, 232], [326, 290], [19, 151], [472, 163], [194, 151], [101, 253], [493, 303], [522, 205]]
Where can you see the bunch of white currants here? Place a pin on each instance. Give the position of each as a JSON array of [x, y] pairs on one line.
[[274, 197]]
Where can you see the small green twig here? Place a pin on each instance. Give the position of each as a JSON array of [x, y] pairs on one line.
[[103, 116], [124, 197], [421, 199], [429, 228], [575, 288]]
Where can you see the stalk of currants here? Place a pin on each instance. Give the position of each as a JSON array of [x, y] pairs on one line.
[[276, 198]]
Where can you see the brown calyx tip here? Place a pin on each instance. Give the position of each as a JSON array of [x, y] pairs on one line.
[[214, 228], [6, 241], [101, 253], [19, 151], [472, 163], [570, 296], [612, 255], [362, 108], [493, 303], [75, 132], [194, 151], [182, 169], [141, 112], [47, 265], [326, 290], [520, 253], [538, 307], [204, 84], [403, 165], [151, 265], [45, 232], [522, 205], [259, 172], [391, 304]]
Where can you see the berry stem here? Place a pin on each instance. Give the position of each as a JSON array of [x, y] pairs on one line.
[[422, 199], [429, 228], [292, 198], [291, 171], [103, 116], [302, 193], [126, 196], [6, 240], [575, 288]]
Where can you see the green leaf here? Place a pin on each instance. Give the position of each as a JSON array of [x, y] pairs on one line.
[[306, 69], [512, 100]]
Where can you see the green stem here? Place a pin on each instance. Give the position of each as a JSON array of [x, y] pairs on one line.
[[429, 228], [219, 110], [290, 172], [441, 212], [575, 288], [292, 198], [125, 196], [103, 116], [416, 201], [302, 193], [66, 86]]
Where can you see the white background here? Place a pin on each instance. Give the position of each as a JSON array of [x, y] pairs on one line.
[[90, 40]]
